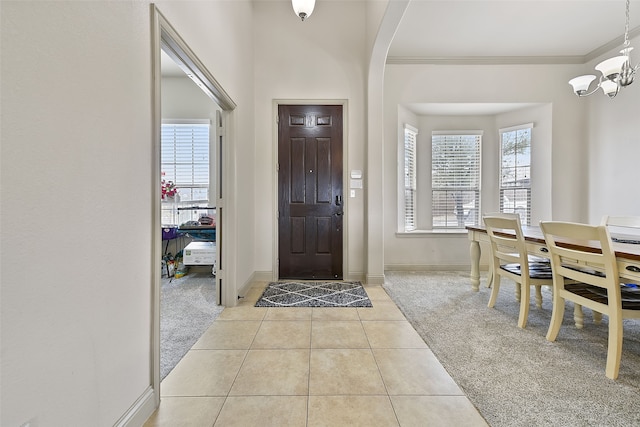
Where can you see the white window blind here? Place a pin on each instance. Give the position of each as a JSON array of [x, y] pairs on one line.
[[455, 178], [185, 162], [515, 171], [410, 136]]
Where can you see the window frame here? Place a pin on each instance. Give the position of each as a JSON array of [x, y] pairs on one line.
[[515, 202], [410, 178], [171, 215], [460, 219]]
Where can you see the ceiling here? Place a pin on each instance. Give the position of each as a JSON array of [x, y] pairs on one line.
[[169, 68], [507, 31], [542, 31], [500, 32]]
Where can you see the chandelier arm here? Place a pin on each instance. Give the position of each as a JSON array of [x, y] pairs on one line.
[[592, 92], [599, 85]]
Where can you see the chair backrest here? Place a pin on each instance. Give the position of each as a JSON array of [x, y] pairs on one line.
[[572, 258], [507, 239]]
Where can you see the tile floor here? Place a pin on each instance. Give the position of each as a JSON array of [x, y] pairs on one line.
[[312, 367]]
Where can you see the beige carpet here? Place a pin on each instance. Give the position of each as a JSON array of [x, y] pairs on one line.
[[187, 308], [516, 377]]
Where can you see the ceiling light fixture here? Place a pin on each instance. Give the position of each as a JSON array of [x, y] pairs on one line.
[[303, 8], [616, 72]]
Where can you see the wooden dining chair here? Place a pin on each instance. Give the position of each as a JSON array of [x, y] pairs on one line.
[[596, 282], [622, 229], [509, 259]]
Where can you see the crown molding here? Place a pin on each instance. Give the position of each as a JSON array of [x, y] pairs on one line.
[[513, 60], [613, 44], [485, 60]]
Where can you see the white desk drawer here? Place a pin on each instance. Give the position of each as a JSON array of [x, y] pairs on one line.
[[629, 270]]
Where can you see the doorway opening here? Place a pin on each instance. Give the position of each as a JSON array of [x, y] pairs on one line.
[[167, 42], [189, 298]]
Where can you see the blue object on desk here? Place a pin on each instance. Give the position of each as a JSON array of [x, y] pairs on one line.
[[203, 233]]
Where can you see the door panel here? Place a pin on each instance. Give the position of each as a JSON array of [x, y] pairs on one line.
[[310, 191]]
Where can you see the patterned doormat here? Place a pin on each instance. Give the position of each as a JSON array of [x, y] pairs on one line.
[[314, 294]]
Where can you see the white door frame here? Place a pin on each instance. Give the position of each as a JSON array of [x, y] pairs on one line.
[[164, 37]]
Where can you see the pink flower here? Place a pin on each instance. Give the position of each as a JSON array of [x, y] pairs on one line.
[[168, 189]]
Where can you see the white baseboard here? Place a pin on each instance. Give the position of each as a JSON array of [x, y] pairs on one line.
[[374, 279], [355, 276], [244, 289], [140, 411], [262, 276], [430, 267]]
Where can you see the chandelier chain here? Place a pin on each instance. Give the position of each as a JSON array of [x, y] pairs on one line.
[[626, 26]]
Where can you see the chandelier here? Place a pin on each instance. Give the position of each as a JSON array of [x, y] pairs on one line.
[[303, 8], [617, 72]]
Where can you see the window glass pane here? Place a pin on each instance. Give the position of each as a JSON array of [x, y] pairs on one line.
[[524, 155], [455, 209]]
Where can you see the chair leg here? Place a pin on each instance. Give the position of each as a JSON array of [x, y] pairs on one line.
[[614, 351], [518, 292], [597, 317], [538, 296], [578, 316], [494, 290], [524, 305], [557, 313]]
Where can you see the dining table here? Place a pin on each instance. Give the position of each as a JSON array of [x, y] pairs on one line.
[[626, 247]]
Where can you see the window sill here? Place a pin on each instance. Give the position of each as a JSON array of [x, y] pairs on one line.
[[437, 232]]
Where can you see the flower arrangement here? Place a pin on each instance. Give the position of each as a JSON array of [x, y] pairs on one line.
[[169, 190]]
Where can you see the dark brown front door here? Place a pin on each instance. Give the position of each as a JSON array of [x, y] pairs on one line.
[[310, 202]]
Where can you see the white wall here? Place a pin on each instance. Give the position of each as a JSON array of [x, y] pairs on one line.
[[614, 148], [76, 197], [297, 60], [183, 99], [75, 211], [564, 156]]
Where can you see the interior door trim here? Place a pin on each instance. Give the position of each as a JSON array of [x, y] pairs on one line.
[[164, 37], [274, 168]]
